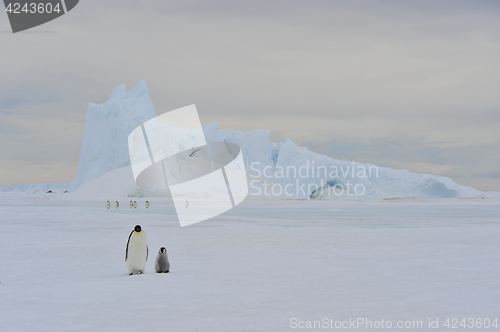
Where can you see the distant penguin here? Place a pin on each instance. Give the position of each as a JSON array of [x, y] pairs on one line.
[[107, 204], [117, 205], [135, 205], [147, 204], [162, 265], [187, 204], [131, 204], [137, 251]]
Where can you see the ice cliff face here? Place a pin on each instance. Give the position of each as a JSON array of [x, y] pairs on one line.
[[107, 126]]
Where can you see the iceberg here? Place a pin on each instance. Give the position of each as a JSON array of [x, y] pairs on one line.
[[275, 170], [286, 164]]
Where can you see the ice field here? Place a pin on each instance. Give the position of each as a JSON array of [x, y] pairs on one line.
[[254, 268], [265, 265]]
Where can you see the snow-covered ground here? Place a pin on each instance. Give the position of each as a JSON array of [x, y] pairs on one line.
[[251, 269]]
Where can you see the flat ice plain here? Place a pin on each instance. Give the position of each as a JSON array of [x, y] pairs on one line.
[[253, 268]]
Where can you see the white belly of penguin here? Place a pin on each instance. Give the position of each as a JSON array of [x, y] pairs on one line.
[[137, 253]]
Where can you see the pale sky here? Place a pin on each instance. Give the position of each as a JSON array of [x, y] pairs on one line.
[[402, 84]]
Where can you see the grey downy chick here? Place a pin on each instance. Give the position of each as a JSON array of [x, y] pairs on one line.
[[162, 265]]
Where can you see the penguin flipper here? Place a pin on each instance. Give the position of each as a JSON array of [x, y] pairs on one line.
[[126, 250], [147, 252]]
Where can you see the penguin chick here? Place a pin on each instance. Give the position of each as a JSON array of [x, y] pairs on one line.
[[137, 251], [162, 265]]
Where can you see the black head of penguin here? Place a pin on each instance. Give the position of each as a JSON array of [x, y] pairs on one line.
[[137, 228], [163, 250]]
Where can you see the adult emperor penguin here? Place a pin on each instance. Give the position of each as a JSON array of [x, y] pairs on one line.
[[137, 251], [162, 265]]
